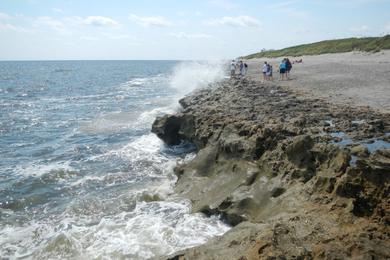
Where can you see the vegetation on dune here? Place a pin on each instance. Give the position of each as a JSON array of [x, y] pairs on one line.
[[369, 44]]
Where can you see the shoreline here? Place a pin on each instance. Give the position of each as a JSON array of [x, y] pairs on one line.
[[297, 176]]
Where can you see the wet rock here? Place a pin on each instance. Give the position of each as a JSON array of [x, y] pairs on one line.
[[167, 128], [276, 192], [173, 129], [270, 168]]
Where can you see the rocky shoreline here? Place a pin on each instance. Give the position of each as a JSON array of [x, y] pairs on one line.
[[296, 177]]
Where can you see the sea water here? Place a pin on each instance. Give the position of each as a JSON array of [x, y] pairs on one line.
[[81, 176]]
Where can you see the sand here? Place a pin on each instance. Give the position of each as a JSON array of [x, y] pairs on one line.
[[354, 78]]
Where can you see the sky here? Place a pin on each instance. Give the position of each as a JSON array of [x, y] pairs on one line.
[[178, 30]]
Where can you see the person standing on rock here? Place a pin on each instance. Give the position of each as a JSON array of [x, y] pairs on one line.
[[269, 72], [232, 69], [265, 69], [245, 68], [242, 68], [282, 69], [288, 67]]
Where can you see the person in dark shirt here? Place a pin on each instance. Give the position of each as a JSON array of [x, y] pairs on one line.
[[288, 67]]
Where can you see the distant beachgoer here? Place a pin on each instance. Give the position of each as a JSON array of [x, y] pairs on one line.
[[238, 68], [232, 69], [282, 69], [269, 72], [265, 69], [245, 68], [288, 67], [241, 68]]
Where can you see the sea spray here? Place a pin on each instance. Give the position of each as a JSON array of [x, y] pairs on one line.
[[188, 76]]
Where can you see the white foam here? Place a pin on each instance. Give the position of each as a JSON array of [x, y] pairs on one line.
[[86, 179], [142, 81], [145, 157], [36, 169], [148, 117], [152, 229], [144, 146]]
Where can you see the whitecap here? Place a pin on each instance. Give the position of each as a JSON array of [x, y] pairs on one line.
[[39, 169]]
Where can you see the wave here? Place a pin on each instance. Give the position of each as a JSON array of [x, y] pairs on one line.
[[36, 169], [142, 222], [123, 121], [110, 195], [144, 81], [151, 229]]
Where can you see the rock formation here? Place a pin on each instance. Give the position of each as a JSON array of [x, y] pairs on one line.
[[296, 177]]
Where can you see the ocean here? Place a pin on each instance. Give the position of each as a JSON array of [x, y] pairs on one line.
[[81, 175]]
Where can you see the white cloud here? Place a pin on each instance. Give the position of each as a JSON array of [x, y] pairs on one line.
[[183, 35], [362, 28], [149, 21], [4, 16], [70, 23], [100, 21], [238, 21]]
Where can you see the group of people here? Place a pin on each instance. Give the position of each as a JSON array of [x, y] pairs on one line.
[[285, 67], [238, 69], [267, 71]]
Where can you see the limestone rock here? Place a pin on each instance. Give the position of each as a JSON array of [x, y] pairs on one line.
[[291, 187]]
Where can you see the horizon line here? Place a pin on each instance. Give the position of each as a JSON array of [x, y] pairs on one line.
[[8, 60]]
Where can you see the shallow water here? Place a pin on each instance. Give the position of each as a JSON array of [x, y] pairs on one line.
[[376, 144], [372, 145], [81, 175]]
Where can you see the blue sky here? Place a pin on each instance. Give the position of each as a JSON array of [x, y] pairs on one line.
[[209, 29]]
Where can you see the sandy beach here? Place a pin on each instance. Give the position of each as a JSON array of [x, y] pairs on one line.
[[354, 78]]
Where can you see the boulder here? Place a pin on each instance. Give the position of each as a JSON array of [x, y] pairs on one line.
[[167, 128]]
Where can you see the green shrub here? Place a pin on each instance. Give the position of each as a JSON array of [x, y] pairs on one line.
[[369, 44]]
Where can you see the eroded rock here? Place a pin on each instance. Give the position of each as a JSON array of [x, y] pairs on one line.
[[269, 165]]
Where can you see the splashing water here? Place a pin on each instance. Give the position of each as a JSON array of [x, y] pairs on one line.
[[192, 75], [81, 175]]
